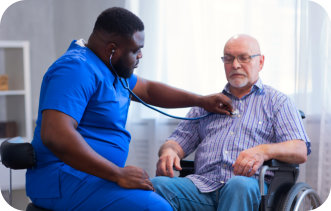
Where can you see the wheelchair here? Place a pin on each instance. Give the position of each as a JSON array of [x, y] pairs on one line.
[[283, 193]]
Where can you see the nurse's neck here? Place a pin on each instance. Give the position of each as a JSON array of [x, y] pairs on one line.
[[97, 46]]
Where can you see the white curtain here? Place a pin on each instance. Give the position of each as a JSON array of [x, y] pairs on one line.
[[185, 39], [184, 44], [313, 91]]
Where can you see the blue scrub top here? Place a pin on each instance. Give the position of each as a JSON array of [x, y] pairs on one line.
[[80, 85]]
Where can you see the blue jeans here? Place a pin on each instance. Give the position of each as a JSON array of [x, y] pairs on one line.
[[239, 193]]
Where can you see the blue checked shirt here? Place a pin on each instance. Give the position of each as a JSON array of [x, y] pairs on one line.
[[265, 116]]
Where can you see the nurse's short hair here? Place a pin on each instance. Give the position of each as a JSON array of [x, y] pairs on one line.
[[119, 21]]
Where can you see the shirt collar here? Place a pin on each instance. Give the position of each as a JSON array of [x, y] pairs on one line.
[[258, 87], [80, 42]]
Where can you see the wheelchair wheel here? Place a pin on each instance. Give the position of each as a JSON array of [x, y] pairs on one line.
[[301, 197]]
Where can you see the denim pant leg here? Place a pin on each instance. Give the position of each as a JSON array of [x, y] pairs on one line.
[[240, 193], [182, 194]]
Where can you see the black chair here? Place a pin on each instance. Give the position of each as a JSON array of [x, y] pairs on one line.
[[18, 154]]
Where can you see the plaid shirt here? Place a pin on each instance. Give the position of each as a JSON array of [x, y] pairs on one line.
[[265, 116]]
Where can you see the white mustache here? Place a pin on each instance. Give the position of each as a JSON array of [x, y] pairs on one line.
[[237, 73]]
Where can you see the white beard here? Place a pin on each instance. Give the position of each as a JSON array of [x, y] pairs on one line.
[[238, 83]]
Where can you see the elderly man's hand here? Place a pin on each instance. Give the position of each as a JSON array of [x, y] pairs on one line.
[[167, 161], [217, 103], [249, 161]]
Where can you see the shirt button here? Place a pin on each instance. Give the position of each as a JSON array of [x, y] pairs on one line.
[[226, 152], [222, 182], [238, 115], [231, 133], [260, 122]]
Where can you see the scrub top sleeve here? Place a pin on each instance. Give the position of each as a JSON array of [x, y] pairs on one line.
[[133, 81], [67, 88]]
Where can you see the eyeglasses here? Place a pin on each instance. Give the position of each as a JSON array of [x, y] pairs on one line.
[[227, 59]]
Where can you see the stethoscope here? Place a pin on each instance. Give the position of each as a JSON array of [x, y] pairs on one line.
[[126, 86]]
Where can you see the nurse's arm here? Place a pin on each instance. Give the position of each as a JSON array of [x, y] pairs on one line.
[[162, 95], [59, 135]]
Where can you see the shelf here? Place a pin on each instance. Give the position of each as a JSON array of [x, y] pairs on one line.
[[13, 44], [12, 92], [24, 138], [15, 103]]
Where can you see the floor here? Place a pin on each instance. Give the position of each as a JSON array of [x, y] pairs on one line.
[[19, 198]]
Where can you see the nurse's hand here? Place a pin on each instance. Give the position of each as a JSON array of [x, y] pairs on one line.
[[217, 103], [132, 177]]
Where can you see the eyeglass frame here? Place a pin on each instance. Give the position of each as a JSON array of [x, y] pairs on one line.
[[236, 57]]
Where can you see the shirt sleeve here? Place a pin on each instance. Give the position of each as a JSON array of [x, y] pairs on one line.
[[288, 124], [187, 132], [67, 87]]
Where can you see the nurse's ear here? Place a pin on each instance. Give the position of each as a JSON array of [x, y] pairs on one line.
[[111, 49]]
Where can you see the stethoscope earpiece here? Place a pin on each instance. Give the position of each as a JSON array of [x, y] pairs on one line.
[[111, 55]]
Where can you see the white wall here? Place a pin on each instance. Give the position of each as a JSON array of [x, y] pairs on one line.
[[50, 26]]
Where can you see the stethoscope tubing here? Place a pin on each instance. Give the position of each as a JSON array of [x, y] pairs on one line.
[[155, 109], [149, 106]]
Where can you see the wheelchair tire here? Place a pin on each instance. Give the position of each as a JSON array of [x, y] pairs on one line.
[[293, 196]]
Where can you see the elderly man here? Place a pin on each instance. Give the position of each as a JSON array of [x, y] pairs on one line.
[[231, 149]]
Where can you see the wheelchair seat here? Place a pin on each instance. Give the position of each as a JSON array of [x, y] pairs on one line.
[[18, 154]]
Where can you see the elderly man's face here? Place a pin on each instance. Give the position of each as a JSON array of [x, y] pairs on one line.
[[242, 72]]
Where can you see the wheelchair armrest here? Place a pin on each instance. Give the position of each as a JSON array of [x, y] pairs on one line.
[[279, 165], [187, 167], [17, 154], [187, 163]]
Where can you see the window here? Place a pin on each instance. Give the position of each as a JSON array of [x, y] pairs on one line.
[[185, 39]]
